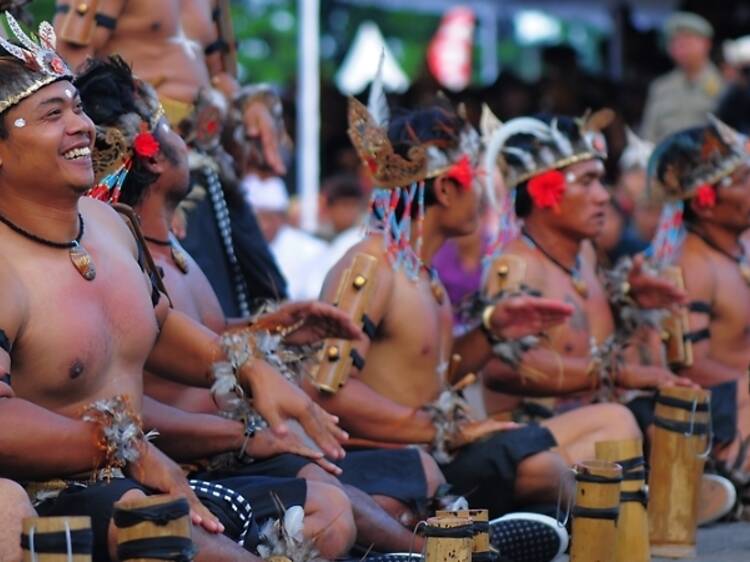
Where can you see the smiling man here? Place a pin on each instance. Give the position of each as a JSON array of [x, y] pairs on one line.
[[81, 320]]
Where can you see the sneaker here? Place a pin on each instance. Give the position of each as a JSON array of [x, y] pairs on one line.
[[394, 557], [528, 537], [717, 498]]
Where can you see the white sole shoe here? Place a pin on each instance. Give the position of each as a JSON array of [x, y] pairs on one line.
[[528, 537], [717, 498]]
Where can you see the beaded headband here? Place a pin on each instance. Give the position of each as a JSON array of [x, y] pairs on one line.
[[41, 59]]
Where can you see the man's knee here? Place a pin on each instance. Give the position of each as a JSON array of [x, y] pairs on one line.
[[14, 507], [542, 476], [335, 530], [432, 473], [314, 473], [618, 419], [13, 499]]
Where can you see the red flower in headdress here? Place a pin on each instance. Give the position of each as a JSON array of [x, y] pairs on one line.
[[146, 145], [705, 195], [462, 172], [546, 190]]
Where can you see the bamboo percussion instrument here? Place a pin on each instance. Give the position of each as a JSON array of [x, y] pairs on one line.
[[597, 506], [480, 519], [352, 296], [681, 441], [57, 539], [80, 22], [154, 528], [448, 539], [632, 524]]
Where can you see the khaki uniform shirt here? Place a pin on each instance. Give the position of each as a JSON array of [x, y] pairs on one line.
[[675, 103]]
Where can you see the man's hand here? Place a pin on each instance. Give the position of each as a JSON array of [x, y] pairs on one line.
[[155, 470], [650, 291], [265, 444], [311, 322], [647, 376], [521, 316], [277, 400], [474, 430], [259, 123]]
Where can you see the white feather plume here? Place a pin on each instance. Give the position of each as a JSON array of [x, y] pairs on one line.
[[562, 142], [496, 144], [377, 103]]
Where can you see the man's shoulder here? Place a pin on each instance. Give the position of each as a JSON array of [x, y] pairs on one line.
[[665, 82]]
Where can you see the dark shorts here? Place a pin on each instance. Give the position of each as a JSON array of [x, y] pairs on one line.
[[485, 471], [723, 412], [396, 473], [266, 494], [234, 501], [95, 500]]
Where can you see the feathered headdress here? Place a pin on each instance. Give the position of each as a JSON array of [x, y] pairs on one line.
[[689, 163], [451, 148], [637, 152], [546, 146], [126, 112], [689, 159], [41, 60]]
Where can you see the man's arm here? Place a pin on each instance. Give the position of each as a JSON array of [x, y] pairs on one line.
[[700, 286], [511, 318], [366, 414], [43, 445], [72, 18], [186, 351], [186, 436]]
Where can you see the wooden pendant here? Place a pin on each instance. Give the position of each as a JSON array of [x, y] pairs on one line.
[[581, 287], [437, 291], [745, 272], [180, 259], [82, 261]]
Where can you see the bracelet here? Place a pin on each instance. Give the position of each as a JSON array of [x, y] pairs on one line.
[[447, 413], [121, 432], [486, 325]]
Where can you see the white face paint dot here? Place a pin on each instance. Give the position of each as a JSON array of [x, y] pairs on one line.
[[20, 122], [69, 93]]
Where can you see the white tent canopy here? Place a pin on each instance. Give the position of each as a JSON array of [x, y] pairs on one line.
[[360, 64]]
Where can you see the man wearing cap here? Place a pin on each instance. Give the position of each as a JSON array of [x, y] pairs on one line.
[[682, 97]]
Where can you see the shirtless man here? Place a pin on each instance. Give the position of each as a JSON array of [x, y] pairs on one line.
[[562, 206], [495, 464], [706, 167], [150, 36], [89, 349], [154, 198]]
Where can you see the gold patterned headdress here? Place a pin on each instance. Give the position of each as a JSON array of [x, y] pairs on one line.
[[42, 62], [391, 170]]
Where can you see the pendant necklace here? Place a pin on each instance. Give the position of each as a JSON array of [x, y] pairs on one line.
[[178, 255], [78, 255], [575, 272]]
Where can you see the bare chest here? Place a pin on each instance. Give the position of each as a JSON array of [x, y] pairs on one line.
[[81, 337]]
